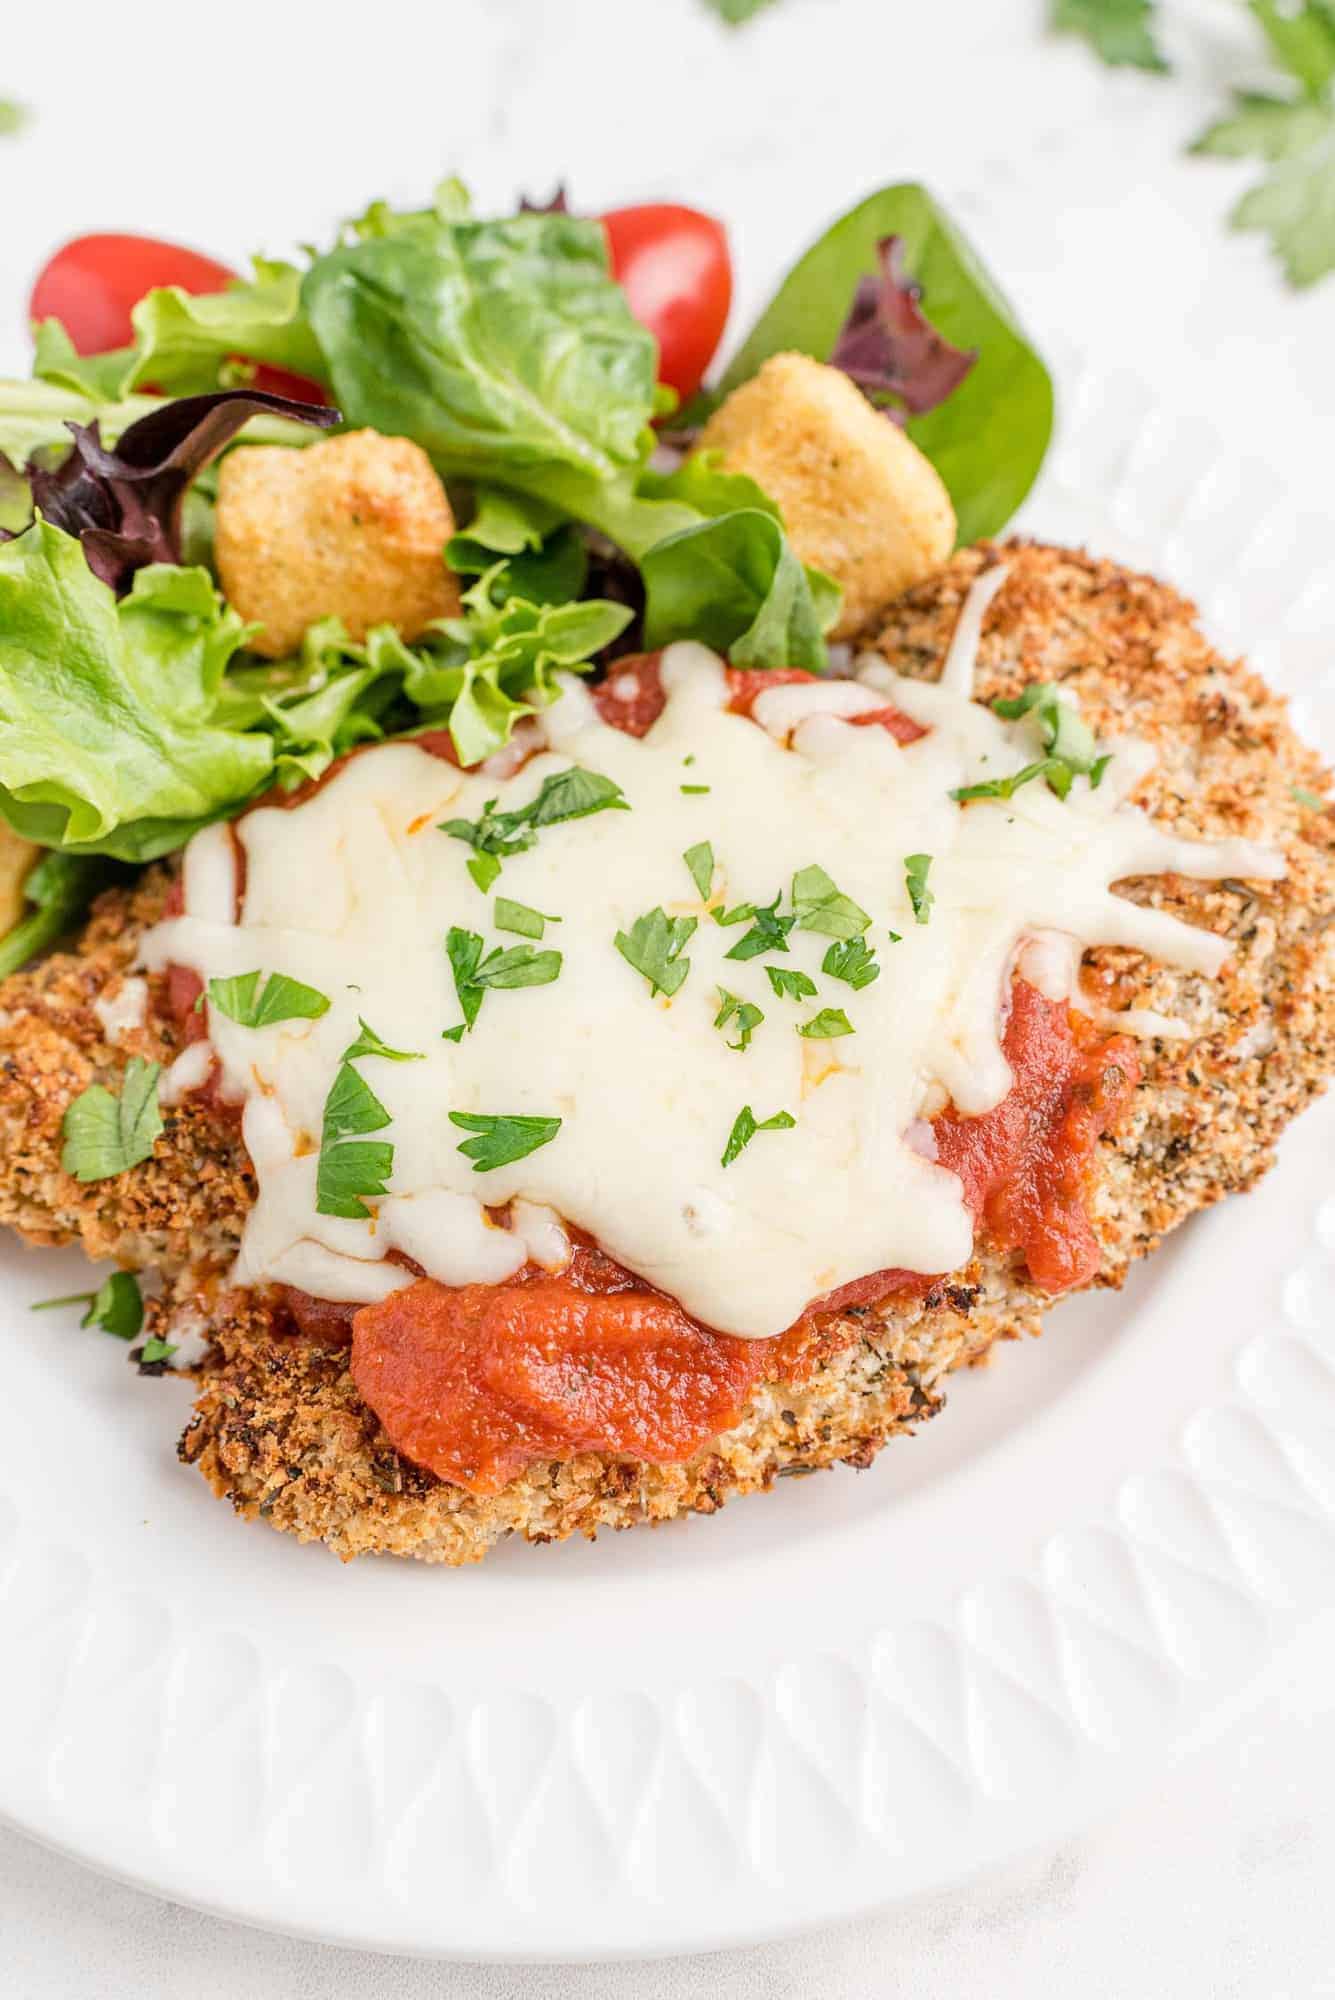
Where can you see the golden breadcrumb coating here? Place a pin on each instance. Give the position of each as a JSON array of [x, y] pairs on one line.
[[279, 1427], [354, 527]]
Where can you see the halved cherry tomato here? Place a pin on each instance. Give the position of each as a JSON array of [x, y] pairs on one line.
[[674, 265], [92, 284]]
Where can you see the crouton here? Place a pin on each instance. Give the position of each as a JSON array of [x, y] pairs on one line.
[[16, 858], [858, 500], [352, 528]]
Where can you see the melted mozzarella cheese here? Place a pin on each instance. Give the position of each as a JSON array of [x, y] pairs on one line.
[[353, 892]]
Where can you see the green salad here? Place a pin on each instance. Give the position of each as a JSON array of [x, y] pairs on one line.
[[138, 704]]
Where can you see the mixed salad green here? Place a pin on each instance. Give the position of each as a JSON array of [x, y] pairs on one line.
[[132, 711]]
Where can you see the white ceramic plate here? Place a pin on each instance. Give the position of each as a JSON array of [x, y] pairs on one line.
[[859, 1687]]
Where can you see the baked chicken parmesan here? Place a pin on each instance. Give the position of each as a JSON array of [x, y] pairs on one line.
[[560, 1060], [677, 1105]]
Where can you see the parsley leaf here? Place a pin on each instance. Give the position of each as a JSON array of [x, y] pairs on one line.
[[520, 965], [1312, 800], [464, 950], [282, 999], [1003, 788], [852, 962], [744, 1129], [1302, 39], [368, 1043], [520, 920], [700, 866], [819, 906], [155, 1353], [117, 1306], [500, 1140], [791, 985], [827, 1026], [768, 933], [351, 1167], [916, 868], [654, 947], [1295, 203], [105, 1134], [572, 794], [1119, 31], [748, 1017], [1067, 741], [742, 914]]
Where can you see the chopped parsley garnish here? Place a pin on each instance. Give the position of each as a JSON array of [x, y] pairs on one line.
[[1005, 788], [894, 937], [368, 1043], [695, 791], [572, 794], [117, 1306], [520, 920], [1312, 800], [700, 866], [790, 985], [654, 946], [520, 965], [747, 1016], [282, 999], [105, 1134], [352, 1167], [853, 961], [745, 1126], [916, 867], [769, 932], [1067, 741], [819, 906], [827, 1026], [742, 914], [156, 1353], [501, 1141]]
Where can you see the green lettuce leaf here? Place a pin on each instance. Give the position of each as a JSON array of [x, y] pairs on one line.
[[498, 346], [184, 340], [735, 584], [528, 543], [109, 743], [57, 891], [989, 438], [495, 663]]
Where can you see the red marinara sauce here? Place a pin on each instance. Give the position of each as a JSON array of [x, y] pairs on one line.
[[476, 1382], [632, 698]]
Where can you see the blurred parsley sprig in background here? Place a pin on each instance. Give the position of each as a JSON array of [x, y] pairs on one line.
[[1293, 132]]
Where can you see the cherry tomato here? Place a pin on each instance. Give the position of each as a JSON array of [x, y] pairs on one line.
[[677, 274], [92, 284]]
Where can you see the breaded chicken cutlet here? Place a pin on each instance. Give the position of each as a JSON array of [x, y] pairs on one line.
[[279, 1426]]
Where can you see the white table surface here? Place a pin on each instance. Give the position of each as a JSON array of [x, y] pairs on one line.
[[248, 126]]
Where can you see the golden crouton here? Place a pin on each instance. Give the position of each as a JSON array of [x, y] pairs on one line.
[[352, 528], [858, 500], [16, 858]]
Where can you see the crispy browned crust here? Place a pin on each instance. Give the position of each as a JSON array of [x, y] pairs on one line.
[[279, 1427]]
